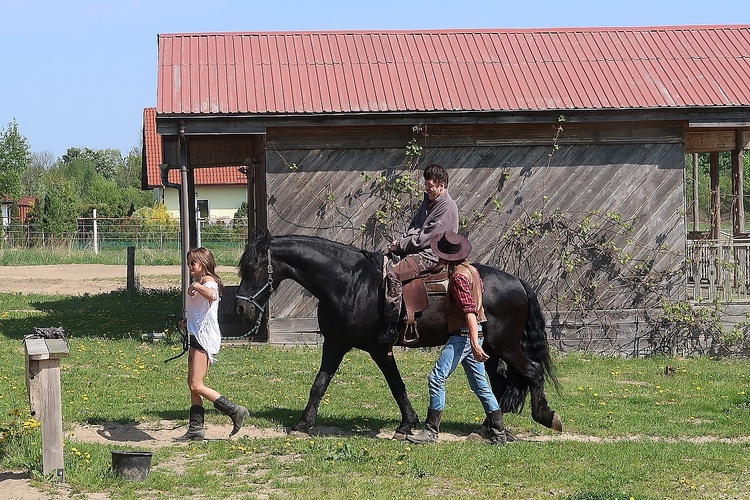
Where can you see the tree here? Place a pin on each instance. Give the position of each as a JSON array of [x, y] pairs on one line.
[[129, 173], [15, 158], [33, 178], [106, 162]]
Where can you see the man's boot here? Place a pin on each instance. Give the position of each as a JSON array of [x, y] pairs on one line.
[[492, 430], [431, 428], [481, 433], [236, 412], [388, 334], [195, 430]]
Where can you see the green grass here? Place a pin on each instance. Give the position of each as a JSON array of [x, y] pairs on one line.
[[226, 254], [639, 433]]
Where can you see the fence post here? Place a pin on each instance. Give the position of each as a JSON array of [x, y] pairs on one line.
[[96, 236], [131, 270], [45, 395]]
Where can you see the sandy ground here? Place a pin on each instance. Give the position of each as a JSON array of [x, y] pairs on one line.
[[78, 279]]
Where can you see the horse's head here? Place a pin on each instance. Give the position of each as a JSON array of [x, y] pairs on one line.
[[256, 283]]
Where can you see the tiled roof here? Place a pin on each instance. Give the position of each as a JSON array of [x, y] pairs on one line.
[[271, 73], [211, 176]]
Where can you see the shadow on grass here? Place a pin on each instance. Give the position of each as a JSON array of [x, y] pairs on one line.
[[115, 315]]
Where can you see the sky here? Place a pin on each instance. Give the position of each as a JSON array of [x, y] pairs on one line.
[[78, 73]]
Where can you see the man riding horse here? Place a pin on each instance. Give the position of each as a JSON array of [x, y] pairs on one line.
[[438, 213]]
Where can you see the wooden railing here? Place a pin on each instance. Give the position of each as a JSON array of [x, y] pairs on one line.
[[718, 270]]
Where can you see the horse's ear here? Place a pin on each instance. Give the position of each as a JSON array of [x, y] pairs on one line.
[[262, 240]]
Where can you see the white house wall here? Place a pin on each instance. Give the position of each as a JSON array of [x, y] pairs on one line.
[[223, 201]]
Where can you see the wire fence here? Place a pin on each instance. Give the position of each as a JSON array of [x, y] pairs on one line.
[[115, 233]]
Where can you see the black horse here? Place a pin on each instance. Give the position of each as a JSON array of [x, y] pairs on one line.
[[347, 283]]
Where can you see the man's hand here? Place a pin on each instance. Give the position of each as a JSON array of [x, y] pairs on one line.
[[479, 353]]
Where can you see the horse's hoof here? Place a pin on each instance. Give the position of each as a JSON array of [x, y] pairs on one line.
[[399, 436], [298, 434], [556, 423]]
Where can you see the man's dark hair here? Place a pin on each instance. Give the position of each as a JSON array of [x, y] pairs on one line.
[[436, 173]]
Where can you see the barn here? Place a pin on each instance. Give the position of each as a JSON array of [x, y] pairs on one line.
[[566, 149]]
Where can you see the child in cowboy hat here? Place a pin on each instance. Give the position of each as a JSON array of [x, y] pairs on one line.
[[465, 316]]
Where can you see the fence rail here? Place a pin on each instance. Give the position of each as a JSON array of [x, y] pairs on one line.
[[718, 270]]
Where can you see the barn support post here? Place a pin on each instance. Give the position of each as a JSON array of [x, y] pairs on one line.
[[259, 175], [715, 198], [696, 211], [185, 219], [248, 172], [738, 192]]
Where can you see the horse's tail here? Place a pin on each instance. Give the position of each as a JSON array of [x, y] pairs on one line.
[[535, 347]]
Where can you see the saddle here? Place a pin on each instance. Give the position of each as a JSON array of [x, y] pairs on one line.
[[415, 298]]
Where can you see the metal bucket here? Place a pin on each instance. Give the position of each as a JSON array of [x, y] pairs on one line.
[[133, 465]]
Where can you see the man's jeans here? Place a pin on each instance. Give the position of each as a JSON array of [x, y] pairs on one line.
[[458, 350]]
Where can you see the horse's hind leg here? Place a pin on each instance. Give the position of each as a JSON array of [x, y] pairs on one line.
[[331, 360], [383, 357], [541, 412], [533, 373]]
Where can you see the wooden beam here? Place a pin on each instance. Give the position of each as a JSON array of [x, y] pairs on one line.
[[715, 198], [738, 193], [744, 140], [696, 211], [708, 142]]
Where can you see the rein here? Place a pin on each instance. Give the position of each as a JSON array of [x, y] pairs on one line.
[[185, 342]]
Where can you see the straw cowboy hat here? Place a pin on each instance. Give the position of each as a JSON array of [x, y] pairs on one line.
[[450, 246]]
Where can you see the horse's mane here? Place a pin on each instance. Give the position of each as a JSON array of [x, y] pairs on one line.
[[376, 258]]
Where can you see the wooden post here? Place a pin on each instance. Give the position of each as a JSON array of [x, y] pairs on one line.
[[715, 196], [45, 400], [738, 192], [96, 235], [696, 222], [131, 270]]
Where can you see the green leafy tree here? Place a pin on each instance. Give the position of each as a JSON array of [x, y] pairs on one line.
[[240, 216], [33, 178], [15, 158], [60, 210], [106, 162], [129, 173]]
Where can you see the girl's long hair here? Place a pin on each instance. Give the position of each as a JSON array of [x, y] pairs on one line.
[[206, 258]]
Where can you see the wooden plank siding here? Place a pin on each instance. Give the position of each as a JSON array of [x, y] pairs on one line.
[[315, 186]]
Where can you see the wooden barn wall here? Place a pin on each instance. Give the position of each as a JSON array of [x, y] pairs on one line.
[[316, 186]]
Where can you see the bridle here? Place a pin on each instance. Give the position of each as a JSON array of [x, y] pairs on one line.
[[260, 308]]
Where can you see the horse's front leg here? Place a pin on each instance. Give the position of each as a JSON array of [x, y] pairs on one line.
[[383, 357], [333, 353]]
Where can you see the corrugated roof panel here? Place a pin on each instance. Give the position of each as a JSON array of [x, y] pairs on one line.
[[390, 73], [442, 83], [377, 100], [465, 47], [321, 51], [726, 78], [450, 70]]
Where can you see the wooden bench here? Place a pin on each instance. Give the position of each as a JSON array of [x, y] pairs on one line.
[[45, 400]]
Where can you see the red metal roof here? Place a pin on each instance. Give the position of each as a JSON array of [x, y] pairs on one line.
[[212, 176], [453, 70]]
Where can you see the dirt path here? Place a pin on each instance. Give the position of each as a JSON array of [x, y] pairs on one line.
[[79, 279]]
